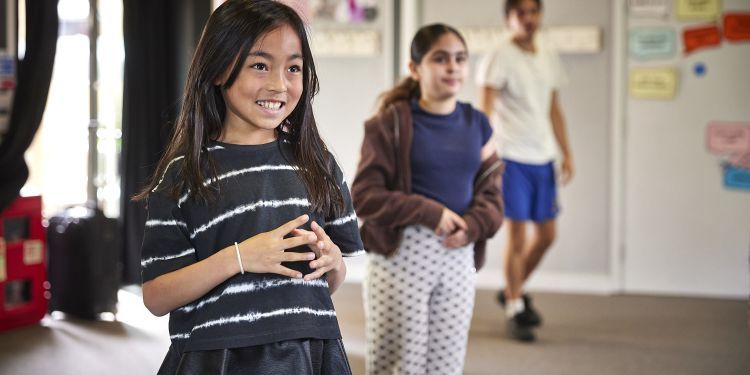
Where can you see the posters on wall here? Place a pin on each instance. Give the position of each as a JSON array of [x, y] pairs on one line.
[[660, 42], [653, 83], [702, 26], [731, 141], [737, 27], [694, 38], [649, 8], [342, 28], [652, 43], [698, 9]]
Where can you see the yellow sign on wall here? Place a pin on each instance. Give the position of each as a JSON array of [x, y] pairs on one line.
[[653, 83], [698, 9]]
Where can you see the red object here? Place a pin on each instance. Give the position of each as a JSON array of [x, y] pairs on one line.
[[24, 290], [737, 27], [701, 37], [7, 84]]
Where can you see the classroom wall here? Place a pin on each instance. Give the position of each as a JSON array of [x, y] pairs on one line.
[[685, 232], [646, 211]]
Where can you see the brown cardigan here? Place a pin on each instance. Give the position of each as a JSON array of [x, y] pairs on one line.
[[381, 190]]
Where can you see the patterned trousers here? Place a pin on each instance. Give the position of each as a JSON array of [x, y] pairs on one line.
[[418, 306]]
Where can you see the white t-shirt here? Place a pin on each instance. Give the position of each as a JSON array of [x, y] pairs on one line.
[[524, 84]]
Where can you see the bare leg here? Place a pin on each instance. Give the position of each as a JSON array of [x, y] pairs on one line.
[[544, 235], [514, 259]]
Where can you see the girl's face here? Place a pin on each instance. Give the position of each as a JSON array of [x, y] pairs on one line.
[[442, 70], [266, 90], [524, 20]]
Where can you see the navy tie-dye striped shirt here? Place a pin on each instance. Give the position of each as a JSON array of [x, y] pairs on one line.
[[260, 191]]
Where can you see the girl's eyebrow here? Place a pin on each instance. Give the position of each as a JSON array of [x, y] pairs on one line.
[[444, 52], [266, 55]]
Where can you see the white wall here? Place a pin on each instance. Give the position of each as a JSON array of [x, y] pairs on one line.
[[684, 232], [646, 211]]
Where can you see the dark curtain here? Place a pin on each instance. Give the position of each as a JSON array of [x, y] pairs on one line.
[[160, 37], [33, 77]]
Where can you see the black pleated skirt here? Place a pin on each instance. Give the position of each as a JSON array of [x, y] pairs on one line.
[[303, 356]]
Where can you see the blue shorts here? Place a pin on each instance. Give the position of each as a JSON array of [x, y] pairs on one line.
[[529, 191]]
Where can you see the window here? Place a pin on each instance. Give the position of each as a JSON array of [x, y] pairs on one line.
[[58, 156]]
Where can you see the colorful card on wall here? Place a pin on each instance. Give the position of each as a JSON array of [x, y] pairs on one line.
[[737, 27], [724, 138], [736, 178], [653, 83], [698, 9], [649, 8], [652, 43], [700, 37]]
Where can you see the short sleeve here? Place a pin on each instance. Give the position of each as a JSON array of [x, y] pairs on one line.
[[491, 71], [559, 75], [344, 229], [166, 245], [485, 128]]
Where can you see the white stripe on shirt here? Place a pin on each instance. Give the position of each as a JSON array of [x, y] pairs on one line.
[[253, 317], [156, 222], [260, 168], [343, 220], [174, 160], [148, 261], [255, 286], [250, 207]]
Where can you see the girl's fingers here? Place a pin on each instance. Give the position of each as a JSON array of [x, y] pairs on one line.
[[319, 231], [321, 262], [460, 222], [290, 256], [299, 232], [315, 275], [291, 225], [284, 271], [292, 242]]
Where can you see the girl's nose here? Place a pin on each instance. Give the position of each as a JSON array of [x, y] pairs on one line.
[[276, 83], [452, 64]]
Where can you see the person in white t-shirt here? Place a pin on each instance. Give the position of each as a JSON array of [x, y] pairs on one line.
[[519, 89]]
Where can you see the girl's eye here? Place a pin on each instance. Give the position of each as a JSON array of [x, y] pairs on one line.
[[439, 59], [295, 68], [259, 66], [460, 59]]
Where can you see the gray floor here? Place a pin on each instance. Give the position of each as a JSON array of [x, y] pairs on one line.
[[585, 334], [582, 334]]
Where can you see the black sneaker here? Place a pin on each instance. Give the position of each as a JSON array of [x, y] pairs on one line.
[[529, 315], [517, 330]]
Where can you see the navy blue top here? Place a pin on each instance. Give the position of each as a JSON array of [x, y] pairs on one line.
[[445, 153]]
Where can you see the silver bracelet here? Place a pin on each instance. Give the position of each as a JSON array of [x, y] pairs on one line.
[[239, 258]]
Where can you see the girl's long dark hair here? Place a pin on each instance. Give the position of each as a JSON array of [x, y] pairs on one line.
[[229, 34], [422, 42]]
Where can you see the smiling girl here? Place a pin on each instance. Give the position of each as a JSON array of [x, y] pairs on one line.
[[427, 189], [248, 212]]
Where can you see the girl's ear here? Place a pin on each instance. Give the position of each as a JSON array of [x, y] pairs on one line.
[[413, 73]]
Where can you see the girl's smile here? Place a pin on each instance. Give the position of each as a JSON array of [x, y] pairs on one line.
[[267, 89]]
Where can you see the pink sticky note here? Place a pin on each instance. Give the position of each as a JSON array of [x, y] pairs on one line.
[[728, 137]]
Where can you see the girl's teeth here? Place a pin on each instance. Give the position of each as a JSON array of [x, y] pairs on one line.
[[270, 105]]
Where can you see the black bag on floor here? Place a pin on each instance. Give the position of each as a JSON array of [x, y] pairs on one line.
[[83, 262]]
